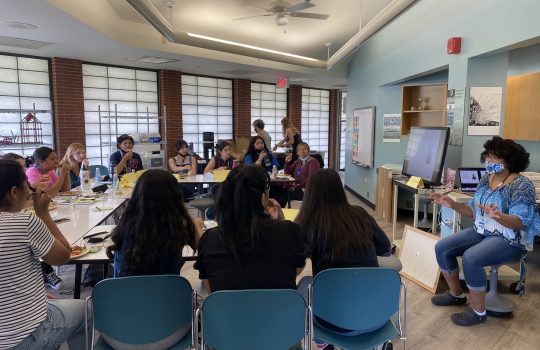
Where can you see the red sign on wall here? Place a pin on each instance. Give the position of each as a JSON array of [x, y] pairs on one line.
[[282, 83]]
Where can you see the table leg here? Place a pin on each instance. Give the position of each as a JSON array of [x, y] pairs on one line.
[[435, 216], [288, 199], [394, 212], [77, 287], [416, 204]]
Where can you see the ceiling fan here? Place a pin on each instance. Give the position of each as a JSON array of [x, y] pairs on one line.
[[281, 11]]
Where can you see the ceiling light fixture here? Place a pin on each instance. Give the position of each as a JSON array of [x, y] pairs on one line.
[[251, 47], [152, 59]]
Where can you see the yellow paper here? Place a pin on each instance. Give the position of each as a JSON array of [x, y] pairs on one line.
[[130, 179], [415, 182], [290, 214], [220, 175]]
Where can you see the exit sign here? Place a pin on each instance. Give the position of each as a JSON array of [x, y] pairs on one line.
[[282, 83]]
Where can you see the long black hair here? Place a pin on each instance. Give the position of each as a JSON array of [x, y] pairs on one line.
[[239, 208], [14, 156], [156, 225], [329, 223], [255, 153], [11, 174]]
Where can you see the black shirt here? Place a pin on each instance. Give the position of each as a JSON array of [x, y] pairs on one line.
[[270, 266], [381, 247]]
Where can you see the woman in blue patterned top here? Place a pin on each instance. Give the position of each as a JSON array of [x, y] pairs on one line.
[[505, 223]]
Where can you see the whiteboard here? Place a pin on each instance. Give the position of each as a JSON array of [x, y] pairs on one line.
[[363, 136], [417, 256]]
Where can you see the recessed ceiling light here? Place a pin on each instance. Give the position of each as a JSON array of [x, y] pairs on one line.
[[19, 25], [152, 59]]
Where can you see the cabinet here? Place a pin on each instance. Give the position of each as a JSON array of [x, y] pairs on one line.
[[521, 107], [152, 153], [423, 105]]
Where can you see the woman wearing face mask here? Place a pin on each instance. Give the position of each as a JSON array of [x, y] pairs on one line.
[[45, 165], [75, 157], [300, 169], [505, 223], [184, 164], [125, 160], [259, 154]]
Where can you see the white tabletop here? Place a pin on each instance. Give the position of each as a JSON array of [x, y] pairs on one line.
[[198, 179], [83, 217]]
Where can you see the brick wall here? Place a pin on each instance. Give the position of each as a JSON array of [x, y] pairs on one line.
[[68, 103], [332, 129], [294, 105], [170, 97], [241, 107]]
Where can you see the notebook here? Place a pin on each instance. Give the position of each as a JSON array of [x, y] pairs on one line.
[[469, 178]]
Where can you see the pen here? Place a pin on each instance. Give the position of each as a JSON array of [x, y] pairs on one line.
[[95, 234]]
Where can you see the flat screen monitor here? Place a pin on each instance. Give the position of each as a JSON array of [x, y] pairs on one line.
[[425, 153]]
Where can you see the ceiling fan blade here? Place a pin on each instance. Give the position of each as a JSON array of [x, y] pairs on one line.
[[241, 18], [300, 6], [309, 15]]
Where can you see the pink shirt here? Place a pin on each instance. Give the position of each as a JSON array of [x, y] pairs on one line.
[[34, 176]]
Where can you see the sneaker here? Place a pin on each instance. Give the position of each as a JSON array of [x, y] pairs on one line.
[[468, 318], [447, 299], [53, 280]]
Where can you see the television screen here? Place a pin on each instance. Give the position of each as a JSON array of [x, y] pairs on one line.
[[425, 153]]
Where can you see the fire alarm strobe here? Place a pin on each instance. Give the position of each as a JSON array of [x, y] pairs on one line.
[[454, 45]]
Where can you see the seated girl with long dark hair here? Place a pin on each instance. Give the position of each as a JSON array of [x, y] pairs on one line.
[[252, 246], [259, 154], [339, 234], [154, 229]]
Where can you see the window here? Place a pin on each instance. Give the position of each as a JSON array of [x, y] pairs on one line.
[[24, 87], [117, 101], [315, 120], [269, 104], [206, 107], [342, 130]]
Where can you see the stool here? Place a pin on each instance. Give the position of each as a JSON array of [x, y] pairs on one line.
[[202, 204], [424, 223], [497, 305]]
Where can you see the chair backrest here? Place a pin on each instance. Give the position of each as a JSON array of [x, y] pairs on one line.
[[254, 319], [360, 299], [102, 170], [142, 309]]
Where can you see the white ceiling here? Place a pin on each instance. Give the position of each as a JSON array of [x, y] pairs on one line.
[[112, 32]]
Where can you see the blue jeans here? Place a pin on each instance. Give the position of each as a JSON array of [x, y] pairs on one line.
[[65, 321], [476, 251]]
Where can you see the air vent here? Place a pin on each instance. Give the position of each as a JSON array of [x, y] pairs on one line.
[[240, 72], [23, 43], [152, 59]]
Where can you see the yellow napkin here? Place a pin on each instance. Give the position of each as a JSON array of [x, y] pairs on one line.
[[129, 179], [220, 175], [290, 214]]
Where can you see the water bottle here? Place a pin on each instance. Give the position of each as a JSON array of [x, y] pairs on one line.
[[115, 182], [267, 162], [85, 178], [98, 175], [274, 172]]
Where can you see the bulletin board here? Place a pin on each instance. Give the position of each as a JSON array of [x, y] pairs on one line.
[[417, 256], [363, 136]]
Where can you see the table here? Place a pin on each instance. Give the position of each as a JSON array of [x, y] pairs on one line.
[[417, 193]]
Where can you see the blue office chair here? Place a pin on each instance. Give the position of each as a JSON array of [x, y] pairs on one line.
[[133, 312], [264, 319], [359, 299], [102, 170]]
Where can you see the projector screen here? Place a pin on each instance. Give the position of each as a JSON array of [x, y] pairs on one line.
[[425, 153]]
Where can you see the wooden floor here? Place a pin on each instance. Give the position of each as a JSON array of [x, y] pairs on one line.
[[428, 326]]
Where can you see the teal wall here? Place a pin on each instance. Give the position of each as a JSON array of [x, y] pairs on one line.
[[413, 46]]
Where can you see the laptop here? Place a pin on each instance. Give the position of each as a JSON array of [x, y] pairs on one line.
[[469, 179]]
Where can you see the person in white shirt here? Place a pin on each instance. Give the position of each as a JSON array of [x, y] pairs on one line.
[[27, 319], [258, 125]]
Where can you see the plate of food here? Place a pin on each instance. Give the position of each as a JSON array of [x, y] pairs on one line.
[[72, 193], [77, 251], [31, 210], [83, 200]]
